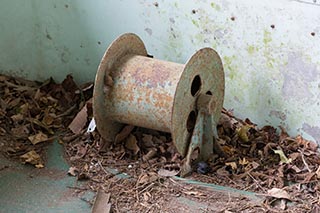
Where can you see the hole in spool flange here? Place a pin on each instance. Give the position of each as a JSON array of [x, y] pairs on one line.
[[195, 85], [209, 93], [191, 122]]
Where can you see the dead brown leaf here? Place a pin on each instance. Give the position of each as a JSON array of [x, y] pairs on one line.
[[33, 158], [21, 131], [79, 122], [131, 144], [167, 173], [73, 171], [124, 133], [279, 193], [38, 138], [147, 178]]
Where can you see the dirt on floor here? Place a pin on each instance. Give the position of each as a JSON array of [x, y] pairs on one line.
[[139, 169]]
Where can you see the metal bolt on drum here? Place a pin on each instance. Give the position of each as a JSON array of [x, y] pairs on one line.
[[183, 99]]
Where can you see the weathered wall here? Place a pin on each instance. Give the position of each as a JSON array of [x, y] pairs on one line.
[[270, 48], [52, 38]]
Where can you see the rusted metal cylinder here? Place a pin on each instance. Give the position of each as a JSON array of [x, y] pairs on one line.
[[143, 92], [132, 88]]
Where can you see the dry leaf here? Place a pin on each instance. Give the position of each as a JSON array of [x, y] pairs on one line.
[[48, 118], [18, 117], [150, 154], [131, 144], [278, 193], [243, 161], [296, 169], [33, 158], [232, 164], [283, 158], [283, 204], [294, 155], [39, 166], [147, 178], [243, 133], [307, 144], [167, 173], [79, 122], [223, 172], [38, 138], [124, 133], [73, 171], [21, 131], [81, 152], [147, 140]]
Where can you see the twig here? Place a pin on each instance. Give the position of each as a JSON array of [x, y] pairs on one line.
[[304, 161], [75, 187], [143, 190], [103, 169], [256, 182], [67, 112], [116, 205]]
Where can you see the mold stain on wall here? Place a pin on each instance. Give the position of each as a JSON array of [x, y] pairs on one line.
[[298, 76]]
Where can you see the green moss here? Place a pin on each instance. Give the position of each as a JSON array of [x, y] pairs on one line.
[[215, 6], [227, 63], [194, 22], [270, 63], [250, 49], [266, 37]]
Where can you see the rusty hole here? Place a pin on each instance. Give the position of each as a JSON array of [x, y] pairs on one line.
[[191, 122], [195, 85], [209, 92], [313, 33]]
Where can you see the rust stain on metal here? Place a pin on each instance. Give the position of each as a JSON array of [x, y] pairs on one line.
[[151, 73]]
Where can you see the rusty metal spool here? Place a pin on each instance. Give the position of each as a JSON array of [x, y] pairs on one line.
[[184, 100]]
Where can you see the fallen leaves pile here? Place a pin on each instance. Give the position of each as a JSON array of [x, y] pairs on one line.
[[278, 167], [33, 114], [138, 170]]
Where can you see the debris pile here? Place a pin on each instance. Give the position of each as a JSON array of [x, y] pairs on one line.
[[138, 170], [276, 166], [35, 113]]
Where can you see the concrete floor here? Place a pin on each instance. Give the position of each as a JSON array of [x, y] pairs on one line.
[[24, 188]]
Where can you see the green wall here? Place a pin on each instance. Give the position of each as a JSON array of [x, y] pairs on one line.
[[52, 38], [269, 48]]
